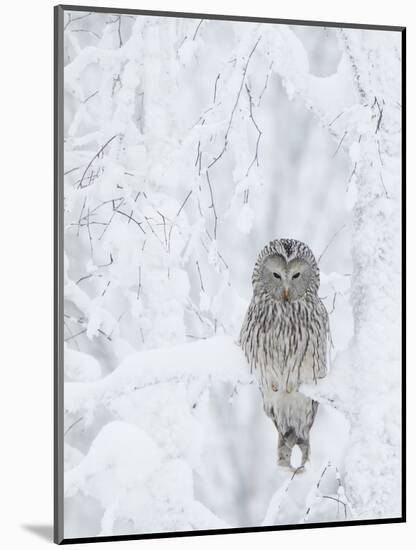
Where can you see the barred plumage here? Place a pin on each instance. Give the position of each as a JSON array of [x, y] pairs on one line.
[[284, 337]]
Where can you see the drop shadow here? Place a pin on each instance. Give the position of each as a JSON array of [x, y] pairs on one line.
[[43, 531]]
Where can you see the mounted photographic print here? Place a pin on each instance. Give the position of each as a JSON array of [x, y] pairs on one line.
[[229, 282]]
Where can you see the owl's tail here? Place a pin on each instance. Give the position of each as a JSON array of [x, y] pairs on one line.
[[293, 429]]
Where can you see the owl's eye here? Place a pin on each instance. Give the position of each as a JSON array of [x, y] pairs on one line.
[[296, 275], [277, 275]]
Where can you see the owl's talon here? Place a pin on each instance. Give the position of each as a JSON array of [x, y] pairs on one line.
[[274, 387]]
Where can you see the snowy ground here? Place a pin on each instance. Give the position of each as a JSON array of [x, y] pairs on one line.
[[188, 146]]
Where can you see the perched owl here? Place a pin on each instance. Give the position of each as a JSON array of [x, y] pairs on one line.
[[284, 337]]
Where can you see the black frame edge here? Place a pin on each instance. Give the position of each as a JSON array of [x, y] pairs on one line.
[[232, 531], [241, 18], [58, 523], [404, 280]]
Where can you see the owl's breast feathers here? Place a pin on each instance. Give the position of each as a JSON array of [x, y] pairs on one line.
[[286, 343]]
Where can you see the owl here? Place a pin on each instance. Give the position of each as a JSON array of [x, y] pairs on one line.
[[285, 337]]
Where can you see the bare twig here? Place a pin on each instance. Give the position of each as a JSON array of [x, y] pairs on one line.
[[339, 144], [71, 333], [382, 183], [73, 424], [316, 489], [89, 234], [120, 40], [336, 118], [351, 176], [339, 502], [197, 29], [212, 205], [200, 276], [71, 170], [217, 158], [139, 224], [380, 114], [259, 132], [265, 84], [330, 242], [177, 215], [152, 230], [75, 335], [333, 303], [85, 277], [90, 97], [139, 288], [80, 186], [88, 31], [80, 216], [215, 87], [106, 287], [109, 263]]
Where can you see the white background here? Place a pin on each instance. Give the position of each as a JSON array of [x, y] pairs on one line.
[[26, 287]]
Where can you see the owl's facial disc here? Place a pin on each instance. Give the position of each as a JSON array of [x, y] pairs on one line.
[[286, 281]]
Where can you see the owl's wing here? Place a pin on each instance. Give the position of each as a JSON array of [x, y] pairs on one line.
[[318, 343], [308, 363]]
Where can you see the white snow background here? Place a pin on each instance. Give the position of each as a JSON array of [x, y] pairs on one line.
[[188, 146]]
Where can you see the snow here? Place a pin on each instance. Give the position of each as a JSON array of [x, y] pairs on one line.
[[188, 146], [245, 219], [192, 361], [80, 366]]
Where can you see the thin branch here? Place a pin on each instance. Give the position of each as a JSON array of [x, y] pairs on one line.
[[183, 204], [164, 227], [217, 158], [256, 154], [351, 176], [73, 424], [212, 205], [131, 218], [90, 97], [200, 276], [139, 288], [85, 277], [80, 186], [111, 218], [80, 216], [333, 303], [339, 144], [89, 234], [379, 153], [339, 502], [215, 87], [119, 32], [316, 489], [152, 230], [88, 31], [71, 170], [105, 289], [109, 263], [380, 114], [265, 84], [70, 332], [384, 187], [330, 242], [177, 215], [336, 118], [75, 335], [197, 29]]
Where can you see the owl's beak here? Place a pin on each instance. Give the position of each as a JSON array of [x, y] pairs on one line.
[[285, 294]]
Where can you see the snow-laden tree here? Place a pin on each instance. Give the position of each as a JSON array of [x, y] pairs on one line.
[[188, 145]]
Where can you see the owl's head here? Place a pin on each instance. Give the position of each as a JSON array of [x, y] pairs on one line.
[[286, 270]]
